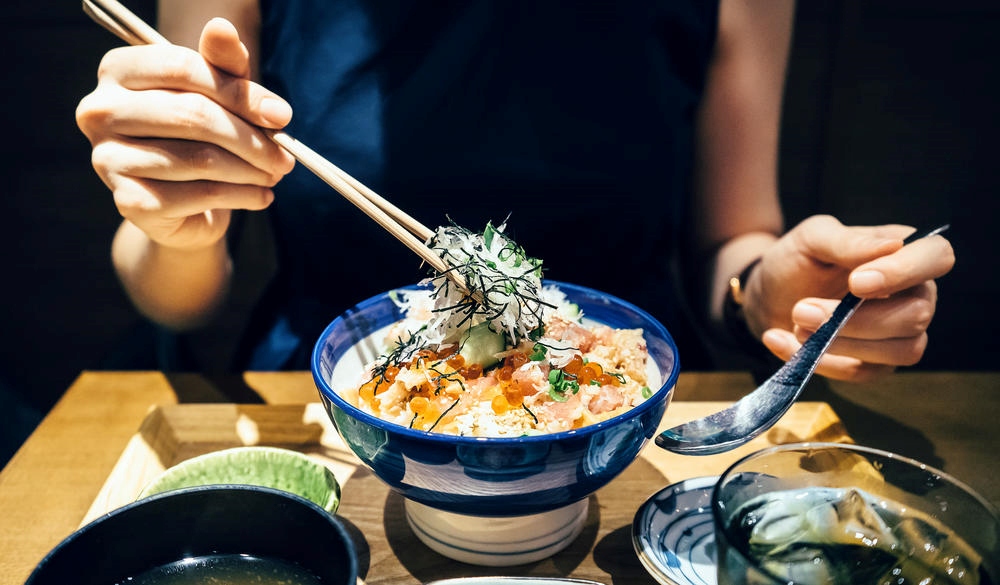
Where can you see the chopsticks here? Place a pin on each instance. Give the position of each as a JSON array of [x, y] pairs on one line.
[[113, 16]]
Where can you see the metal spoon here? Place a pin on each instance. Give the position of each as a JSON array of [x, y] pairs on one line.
[[758, 411]]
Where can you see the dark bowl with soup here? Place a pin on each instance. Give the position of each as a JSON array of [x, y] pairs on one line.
[[244, 533]]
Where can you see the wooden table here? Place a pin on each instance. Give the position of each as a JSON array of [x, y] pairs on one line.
[[947, 419]]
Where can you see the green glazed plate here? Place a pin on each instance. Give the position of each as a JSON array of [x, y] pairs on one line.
[[272, 467]]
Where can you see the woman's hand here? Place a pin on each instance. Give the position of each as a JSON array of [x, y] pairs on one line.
[[802, 277], [176, 137]]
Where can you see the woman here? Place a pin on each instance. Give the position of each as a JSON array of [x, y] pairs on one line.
[[633, 144]]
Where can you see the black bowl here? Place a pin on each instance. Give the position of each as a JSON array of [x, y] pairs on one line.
[[202, 521]]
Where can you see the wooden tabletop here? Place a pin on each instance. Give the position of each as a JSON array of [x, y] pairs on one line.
[[946, 419]]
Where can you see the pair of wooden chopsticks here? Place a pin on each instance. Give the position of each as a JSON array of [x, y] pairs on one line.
[[113, 16]]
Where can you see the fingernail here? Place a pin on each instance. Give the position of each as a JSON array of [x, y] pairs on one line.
[[867, 281], [275, 110]]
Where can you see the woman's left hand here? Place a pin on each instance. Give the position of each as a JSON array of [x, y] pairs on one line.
[[803, 276]]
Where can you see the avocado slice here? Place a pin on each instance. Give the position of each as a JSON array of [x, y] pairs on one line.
[[480, 344]]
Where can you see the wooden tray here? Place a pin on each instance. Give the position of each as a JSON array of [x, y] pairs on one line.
[[388, 550]]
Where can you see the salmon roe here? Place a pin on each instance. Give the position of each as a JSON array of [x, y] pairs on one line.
[[500, 404], [471, 372], [514, 396], [607, 380], [511, 363], [574, 365], [419, 404], [588, 372]]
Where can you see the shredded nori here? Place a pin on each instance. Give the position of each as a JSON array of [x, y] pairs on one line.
[[446, 411], [402, 352], [492, 292]]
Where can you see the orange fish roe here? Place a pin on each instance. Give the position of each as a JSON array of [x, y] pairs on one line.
[[578, 376], [499, 404]]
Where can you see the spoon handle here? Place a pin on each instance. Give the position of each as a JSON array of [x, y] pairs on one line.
[[794, 373]]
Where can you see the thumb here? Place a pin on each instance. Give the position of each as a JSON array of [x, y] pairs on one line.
[[825, 239], [220, 45]]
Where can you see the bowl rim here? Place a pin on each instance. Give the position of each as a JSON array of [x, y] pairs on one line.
[[170, 473], [662, 394], [80, 531]]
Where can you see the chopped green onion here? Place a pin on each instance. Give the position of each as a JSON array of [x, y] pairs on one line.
[[560, 385], [557, 395], [488, 234]]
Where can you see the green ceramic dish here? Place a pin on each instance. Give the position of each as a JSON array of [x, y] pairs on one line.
[[272, 467]]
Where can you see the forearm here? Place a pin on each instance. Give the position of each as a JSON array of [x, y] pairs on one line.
[[737, 214], [176, 269], [177, 288]]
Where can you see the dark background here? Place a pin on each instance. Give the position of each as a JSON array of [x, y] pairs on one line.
[[891, 116]]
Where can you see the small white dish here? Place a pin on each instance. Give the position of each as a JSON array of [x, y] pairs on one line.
[[673, 534]]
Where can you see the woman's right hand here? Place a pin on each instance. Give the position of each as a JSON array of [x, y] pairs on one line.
[[177, 137]]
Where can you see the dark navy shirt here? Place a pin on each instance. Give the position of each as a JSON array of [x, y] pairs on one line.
[[574, 118]]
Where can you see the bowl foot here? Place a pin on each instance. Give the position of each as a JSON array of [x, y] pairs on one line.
[[497, 542]]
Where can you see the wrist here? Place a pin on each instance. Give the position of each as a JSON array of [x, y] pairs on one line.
[[176, 287], [735, 319]]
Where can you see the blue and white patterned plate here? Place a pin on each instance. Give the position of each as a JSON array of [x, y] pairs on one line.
[[673, 535]]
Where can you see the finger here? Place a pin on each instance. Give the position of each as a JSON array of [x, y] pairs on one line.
[[849, 369], [827, 240], [177, 68], [177, 160], [895, 351], [191, 116], [220, 45], [141, 198], [175, 231], [189, 232], [923, 260], [831, 365], [905, 314]]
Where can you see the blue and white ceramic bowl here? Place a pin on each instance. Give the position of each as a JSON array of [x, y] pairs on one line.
[[503, 483], [673, 534]]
